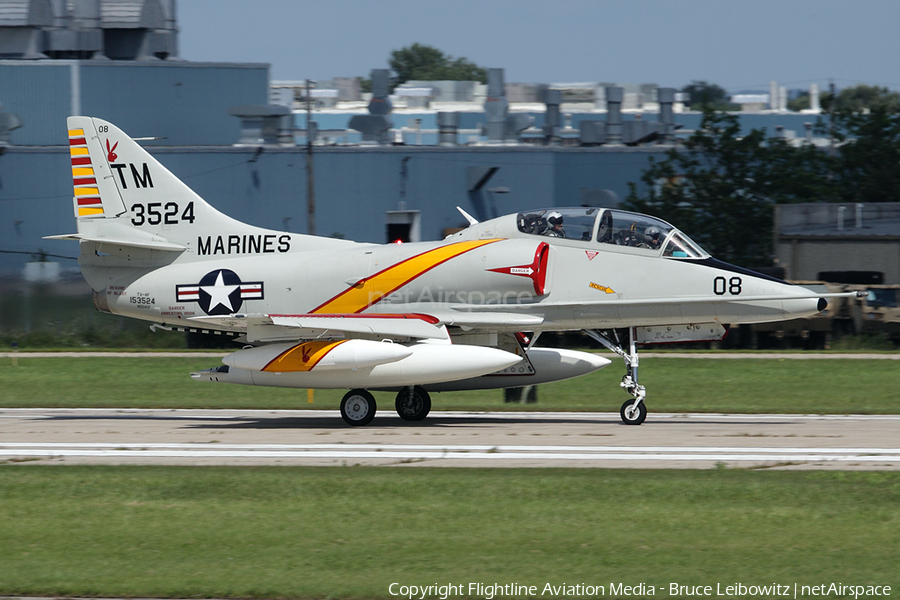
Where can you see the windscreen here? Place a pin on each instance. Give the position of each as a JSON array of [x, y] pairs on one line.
[[615, 227], [635, 230]]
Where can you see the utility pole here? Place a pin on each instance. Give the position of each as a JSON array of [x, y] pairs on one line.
[[310, 183], [833, 90]]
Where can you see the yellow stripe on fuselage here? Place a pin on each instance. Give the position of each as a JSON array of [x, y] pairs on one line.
[[76, 151], [87, 191], [76, 133], [83, 211], [82, 171], [372, 289]]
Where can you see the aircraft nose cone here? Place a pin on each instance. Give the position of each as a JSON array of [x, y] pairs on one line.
[[823, 304]]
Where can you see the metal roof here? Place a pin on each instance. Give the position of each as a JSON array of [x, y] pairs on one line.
[[26, 13], [132, 14]]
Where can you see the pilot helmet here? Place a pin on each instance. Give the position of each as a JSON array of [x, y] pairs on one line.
[[652, 233], [554, 218]]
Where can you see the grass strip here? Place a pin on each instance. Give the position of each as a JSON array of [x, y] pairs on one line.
[[351, 532], [835, 386]]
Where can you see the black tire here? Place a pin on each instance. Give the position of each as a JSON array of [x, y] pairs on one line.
[[415, 408], [358, 408], [636, 418]]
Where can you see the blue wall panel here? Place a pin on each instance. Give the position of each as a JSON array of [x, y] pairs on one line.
[[39, 93], [187, 104]]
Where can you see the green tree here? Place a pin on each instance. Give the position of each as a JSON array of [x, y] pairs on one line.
[[801, 101], [705, 95], [867, 161], [860, 98], [425, 63]]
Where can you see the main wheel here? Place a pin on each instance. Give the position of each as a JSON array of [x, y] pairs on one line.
[[631, 415], [358, 407], [413, 407]]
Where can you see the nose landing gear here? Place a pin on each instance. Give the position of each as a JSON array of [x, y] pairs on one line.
[[634, 411]]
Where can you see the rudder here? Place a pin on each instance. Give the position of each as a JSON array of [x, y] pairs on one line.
[[94, 195]]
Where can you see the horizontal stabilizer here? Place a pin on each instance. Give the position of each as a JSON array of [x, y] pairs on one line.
[[132, 243]]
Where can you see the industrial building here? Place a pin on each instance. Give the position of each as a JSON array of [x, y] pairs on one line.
[[854, 244]]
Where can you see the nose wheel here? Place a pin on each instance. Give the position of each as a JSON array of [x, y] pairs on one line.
[[633, 412]]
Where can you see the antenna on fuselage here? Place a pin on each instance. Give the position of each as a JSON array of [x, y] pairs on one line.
[[472, 220]]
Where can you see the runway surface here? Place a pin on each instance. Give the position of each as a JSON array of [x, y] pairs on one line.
[[314, 437]]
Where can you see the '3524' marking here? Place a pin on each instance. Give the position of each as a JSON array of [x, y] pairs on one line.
[[157, 213]]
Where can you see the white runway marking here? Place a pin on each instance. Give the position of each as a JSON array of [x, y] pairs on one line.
[[431, 451]]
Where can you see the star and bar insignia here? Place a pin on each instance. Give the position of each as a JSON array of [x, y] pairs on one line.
[[220, 292]]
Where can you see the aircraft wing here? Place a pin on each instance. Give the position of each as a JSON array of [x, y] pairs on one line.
[[488, 320], [271, 328]]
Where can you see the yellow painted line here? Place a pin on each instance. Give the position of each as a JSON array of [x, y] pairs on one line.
[[85, 212], [302, 357], [372, 289], [76, 133], [75, 151], [82, 171], [87, 191]]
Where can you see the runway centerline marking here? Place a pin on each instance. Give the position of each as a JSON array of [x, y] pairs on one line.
[[436, 452]]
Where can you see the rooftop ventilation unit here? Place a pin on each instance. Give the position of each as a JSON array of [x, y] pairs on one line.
[[83, 29], [376, 126]]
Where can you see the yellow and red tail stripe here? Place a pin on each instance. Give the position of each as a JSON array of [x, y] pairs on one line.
[[371, 290], [87, 194], [302, 357]]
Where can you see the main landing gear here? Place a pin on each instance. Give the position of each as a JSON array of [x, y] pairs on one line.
[[358, 406], [413, 403], [634, 411]]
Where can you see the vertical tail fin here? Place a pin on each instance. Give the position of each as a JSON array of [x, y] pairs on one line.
[[114, 176], [124, 194]]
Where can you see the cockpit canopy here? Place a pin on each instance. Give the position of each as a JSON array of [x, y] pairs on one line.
[[611, 226]]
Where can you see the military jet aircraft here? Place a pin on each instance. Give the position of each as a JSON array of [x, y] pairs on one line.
[[457, 314]]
